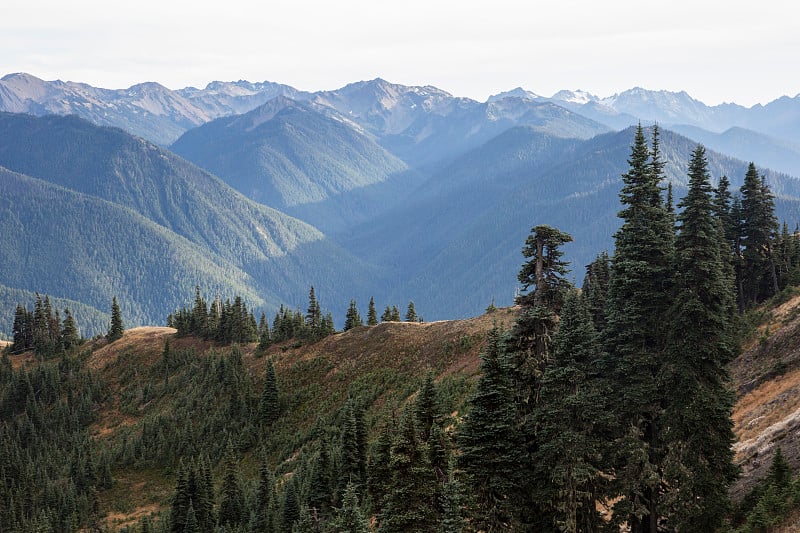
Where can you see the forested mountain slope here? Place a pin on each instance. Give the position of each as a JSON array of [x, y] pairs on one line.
[[209, 234]]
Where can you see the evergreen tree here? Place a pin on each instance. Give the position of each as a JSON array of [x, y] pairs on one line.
[[411, 313], [349, 517], [353, 318], [372, 314], [264, 497], [180, 501], [305, 523], [191, 520], [231, 507], [490, 449], [291, 507], [595, 289], [395, 315], [387, 314], [320, 487], [268, 408], [635, 338], [545, 271], [352, 466], [759, 227], [425, 408], [379, 471], [566, 466], [22, 330], [116, 329], [314, 316], [409, 504], [697, 422], [69, 334], [453, 503]]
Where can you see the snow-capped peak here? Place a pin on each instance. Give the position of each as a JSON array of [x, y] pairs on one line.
[[575, 97], [519, 92]]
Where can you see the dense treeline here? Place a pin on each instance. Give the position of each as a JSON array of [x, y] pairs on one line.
[[230, 323], [574, 424], [43, 330], [51, 470]]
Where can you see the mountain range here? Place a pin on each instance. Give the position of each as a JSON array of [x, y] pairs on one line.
[[372, 190]]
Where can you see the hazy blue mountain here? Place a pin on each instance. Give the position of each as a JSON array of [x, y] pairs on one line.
[[215, 236], [778, 154], [87, 249], [425, 126], [294, 156], [518, 92], [149, 110], [779, 118], [220, 99], [461, 240]]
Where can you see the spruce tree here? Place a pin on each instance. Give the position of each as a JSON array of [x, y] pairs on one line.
[[268, 408], [372, 314], [635, 338], [264, 497], [232, 505], [69, 334], [353, 318], [595, 289], [411, 313], [697, 426], [395, 315], [543, 276], [116, 329], [313, 316], [566, 463], [491, 455], [425, 407], [409, 503], [759, 227], [291, 506], [349, 517], [387, 314]]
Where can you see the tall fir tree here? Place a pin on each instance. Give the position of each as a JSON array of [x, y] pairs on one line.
[[232, 504], [595, 289], [759, 227], [69, 333], [411, 313], [372, 314], [314, 316], [268, 406], [349, 517], [635, 337], [544, 283], [697, 422], [352, 318], [116, 329], [567, 470], [409, 503], [491, 454]]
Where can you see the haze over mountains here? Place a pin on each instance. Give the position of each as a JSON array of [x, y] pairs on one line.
[[374, 189]]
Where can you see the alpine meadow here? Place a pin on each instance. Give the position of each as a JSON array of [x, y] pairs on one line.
[[250, 308]]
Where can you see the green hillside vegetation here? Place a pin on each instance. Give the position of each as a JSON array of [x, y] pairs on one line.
[[568, 421], [137, 221], [102, 249]]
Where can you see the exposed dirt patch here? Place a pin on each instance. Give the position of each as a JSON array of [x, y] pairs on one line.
[[767, 412]]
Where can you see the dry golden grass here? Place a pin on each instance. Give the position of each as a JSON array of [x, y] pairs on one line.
[[767, 410]]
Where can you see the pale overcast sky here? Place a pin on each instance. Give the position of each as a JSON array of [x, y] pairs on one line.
[[740, 51]]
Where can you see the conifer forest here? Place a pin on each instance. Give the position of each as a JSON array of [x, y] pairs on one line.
[[601, 408]]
